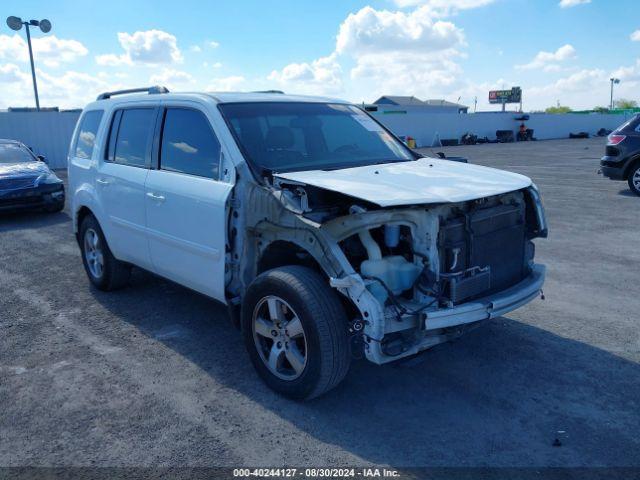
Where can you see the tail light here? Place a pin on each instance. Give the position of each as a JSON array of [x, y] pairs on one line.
[[616, 139]]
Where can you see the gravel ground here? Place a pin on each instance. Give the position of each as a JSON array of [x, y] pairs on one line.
[[156, 374]]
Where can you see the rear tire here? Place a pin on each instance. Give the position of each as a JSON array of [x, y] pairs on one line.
[[291, 313], [103, 269], [634, 179]]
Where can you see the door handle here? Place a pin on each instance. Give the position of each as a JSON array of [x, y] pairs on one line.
[[156, 197], [102, 182]]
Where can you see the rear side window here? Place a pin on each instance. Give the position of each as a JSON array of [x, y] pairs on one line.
[[130, 137], [189, 144], [86, 139]]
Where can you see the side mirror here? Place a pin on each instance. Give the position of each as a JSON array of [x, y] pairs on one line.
[[42, 158]]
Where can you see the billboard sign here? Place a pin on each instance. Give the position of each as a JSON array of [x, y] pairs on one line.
[[506, 96]]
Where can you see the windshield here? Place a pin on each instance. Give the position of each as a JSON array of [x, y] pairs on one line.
[[14, 153], [290, 136]]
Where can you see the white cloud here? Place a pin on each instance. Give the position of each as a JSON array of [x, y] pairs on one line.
[[635, 36], [112, 60], [172, 79], [627, 75], [402, 53], [583, 89], [72, 89], [412, 52], [185, 147], [69, 90], [151, 47], [444, 7], [195, 48], [320, 76], [213, 44], [371, 31], [572, 3], [226, 84], [398, 75], [549, 60], [10, 73], [49, 50]]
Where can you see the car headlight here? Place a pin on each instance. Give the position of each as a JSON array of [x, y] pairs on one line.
[[48, 179]]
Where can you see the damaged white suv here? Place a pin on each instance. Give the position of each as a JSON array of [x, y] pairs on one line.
[[324, 234]]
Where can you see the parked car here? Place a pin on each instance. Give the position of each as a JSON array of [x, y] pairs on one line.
[[26, 182], [324, 234], [622, 154]]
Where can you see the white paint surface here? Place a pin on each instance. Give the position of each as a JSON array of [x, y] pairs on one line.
[[423, 181]]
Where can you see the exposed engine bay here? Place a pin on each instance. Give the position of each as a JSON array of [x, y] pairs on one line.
[[412, 276]]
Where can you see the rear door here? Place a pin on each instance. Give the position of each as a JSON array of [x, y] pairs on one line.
[[186, 201], [120, 182]]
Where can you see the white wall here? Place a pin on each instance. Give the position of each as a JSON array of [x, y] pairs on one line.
[[424, 126], [48, 133]]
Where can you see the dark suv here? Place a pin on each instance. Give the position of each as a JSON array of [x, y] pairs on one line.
[[622, 156]]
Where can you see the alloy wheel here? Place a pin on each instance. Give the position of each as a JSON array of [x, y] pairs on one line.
[[279, 338], [636, 179], [93, 253]]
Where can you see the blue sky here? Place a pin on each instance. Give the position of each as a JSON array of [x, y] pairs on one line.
[[557, 50]]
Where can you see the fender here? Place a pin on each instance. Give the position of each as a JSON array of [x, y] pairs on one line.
[[634, 160], [85, 196]]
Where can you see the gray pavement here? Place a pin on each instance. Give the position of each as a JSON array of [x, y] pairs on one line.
[[156, 375]]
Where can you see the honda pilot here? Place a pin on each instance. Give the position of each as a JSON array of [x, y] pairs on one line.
[[325, 236]]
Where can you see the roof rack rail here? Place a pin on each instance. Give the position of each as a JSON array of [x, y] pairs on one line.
[[150, 90], [269, 91]]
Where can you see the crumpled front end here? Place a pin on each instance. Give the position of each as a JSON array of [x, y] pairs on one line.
[[410, 276], [425, 274]]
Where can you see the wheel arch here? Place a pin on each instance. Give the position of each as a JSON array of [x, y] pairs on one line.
[[631, 164], [282, 253]]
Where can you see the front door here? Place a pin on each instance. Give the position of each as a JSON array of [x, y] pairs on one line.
[[186, 204]]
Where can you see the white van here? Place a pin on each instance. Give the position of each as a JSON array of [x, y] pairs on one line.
[[324, 234]]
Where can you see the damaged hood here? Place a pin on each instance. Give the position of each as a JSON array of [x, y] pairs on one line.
[[24, 169], [425, 180]]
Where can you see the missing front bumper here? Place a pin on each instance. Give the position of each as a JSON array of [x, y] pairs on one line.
[[439, 326], [491, 306]]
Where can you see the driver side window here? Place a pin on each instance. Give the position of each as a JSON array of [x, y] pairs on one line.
[[188, 144]]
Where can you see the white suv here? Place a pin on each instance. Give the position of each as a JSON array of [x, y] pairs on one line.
[[324, 234]]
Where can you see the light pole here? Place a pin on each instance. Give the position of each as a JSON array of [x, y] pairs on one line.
[[15, 23], [614, 81]]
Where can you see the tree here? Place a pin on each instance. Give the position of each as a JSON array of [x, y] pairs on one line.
[[625, 104], [600, 109], [558, 109]]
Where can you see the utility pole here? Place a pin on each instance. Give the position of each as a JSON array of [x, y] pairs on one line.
[[33, 68], [614, 81], [16, 23]]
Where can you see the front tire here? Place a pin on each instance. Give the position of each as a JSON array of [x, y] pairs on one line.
[[103, 269], [634, 179], [295, 331]]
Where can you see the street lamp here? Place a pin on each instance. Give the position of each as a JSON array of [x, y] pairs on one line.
[[613, 81], [15, 23]]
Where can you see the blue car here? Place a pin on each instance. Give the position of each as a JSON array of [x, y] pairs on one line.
[[26, 182]]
